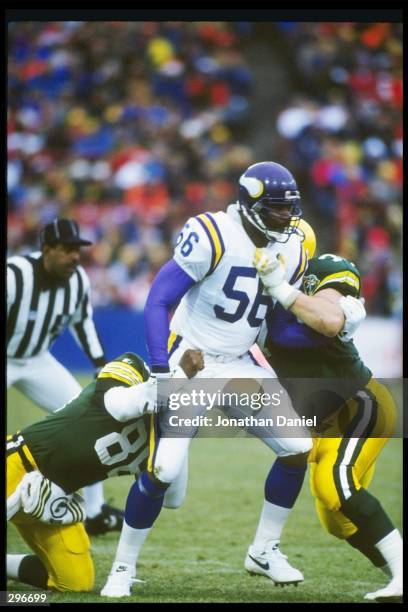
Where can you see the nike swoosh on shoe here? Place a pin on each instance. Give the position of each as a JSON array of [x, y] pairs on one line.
[[264, 566]]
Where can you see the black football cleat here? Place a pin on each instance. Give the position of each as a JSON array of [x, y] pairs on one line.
[[109, 519]]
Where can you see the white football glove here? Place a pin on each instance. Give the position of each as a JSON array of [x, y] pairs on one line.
[[45, 501], [354, 313], [125, 403], [166, 382], [271, 269]]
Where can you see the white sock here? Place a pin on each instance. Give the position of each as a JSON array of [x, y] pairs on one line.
[[386, 570], [94, 500], [130, 544], [13, 563], [391, 549], [271, 524]]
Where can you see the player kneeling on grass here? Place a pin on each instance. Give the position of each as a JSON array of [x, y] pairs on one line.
[[107, 430], [343, 458]]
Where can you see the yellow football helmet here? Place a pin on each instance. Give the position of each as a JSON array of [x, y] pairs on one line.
[[308, 237]]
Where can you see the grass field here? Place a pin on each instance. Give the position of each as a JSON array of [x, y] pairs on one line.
[[196, 553]]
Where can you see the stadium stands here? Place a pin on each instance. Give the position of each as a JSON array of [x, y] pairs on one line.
[[131, 127]]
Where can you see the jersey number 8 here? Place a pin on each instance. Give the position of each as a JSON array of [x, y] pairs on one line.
[[116, 447]]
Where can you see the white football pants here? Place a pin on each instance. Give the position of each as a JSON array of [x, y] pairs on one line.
[[43, 379], [172, 453]]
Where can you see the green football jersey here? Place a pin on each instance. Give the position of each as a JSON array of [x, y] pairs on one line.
[[331, 272], [81, 443], [332, 359]]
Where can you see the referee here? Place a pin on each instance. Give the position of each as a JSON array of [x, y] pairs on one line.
[[46, 292]]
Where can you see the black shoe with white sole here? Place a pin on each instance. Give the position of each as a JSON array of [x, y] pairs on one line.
[[109, 519]]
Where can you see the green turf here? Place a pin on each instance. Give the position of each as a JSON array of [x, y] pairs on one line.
[[196, 553]]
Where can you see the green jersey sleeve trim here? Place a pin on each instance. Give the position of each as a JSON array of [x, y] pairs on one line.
[[345, 277], [128, 369]]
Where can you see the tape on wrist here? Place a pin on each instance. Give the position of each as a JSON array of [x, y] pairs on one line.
[[285, 294]]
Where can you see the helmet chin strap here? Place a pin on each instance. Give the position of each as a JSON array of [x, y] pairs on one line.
[[257, 222]]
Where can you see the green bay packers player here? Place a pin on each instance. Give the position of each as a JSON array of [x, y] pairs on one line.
[[303, 342], [107, 430]]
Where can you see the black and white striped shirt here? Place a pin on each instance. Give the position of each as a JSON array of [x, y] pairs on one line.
[[39, 310]]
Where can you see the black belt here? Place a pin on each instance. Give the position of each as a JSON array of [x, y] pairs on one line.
[[17, 444]]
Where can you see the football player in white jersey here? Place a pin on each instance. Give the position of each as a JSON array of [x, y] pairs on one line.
[[221, 305]]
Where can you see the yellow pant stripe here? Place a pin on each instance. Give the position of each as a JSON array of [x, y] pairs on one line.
[[341, 465], [351, 446]]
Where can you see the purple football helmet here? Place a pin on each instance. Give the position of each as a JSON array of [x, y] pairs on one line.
[[270, 200]]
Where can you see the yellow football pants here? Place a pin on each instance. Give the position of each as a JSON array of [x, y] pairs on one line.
[[64, 550], [342, 465]]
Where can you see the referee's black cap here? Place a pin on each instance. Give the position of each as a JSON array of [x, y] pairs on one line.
[[64, 231]]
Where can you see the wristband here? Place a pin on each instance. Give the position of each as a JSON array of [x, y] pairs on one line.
[[285, 294]]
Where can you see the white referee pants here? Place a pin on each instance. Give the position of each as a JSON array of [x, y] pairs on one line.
[[43, 379], [172, 453]]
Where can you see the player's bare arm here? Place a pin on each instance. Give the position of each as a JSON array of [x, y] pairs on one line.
[[321, 312], [327, 312]]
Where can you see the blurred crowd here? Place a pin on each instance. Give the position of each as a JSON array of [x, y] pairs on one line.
[[132, 127], [342, 136]]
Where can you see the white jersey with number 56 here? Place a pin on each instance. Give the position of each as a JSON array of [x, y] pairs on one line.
[[223, 311]]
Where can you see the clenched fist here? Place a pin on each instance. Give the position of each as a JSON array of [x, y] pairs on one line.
[[192, 362], [271, 269]]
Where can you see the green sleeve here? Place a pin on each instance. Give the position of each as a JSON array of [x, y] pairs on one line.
[[332, 272]]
